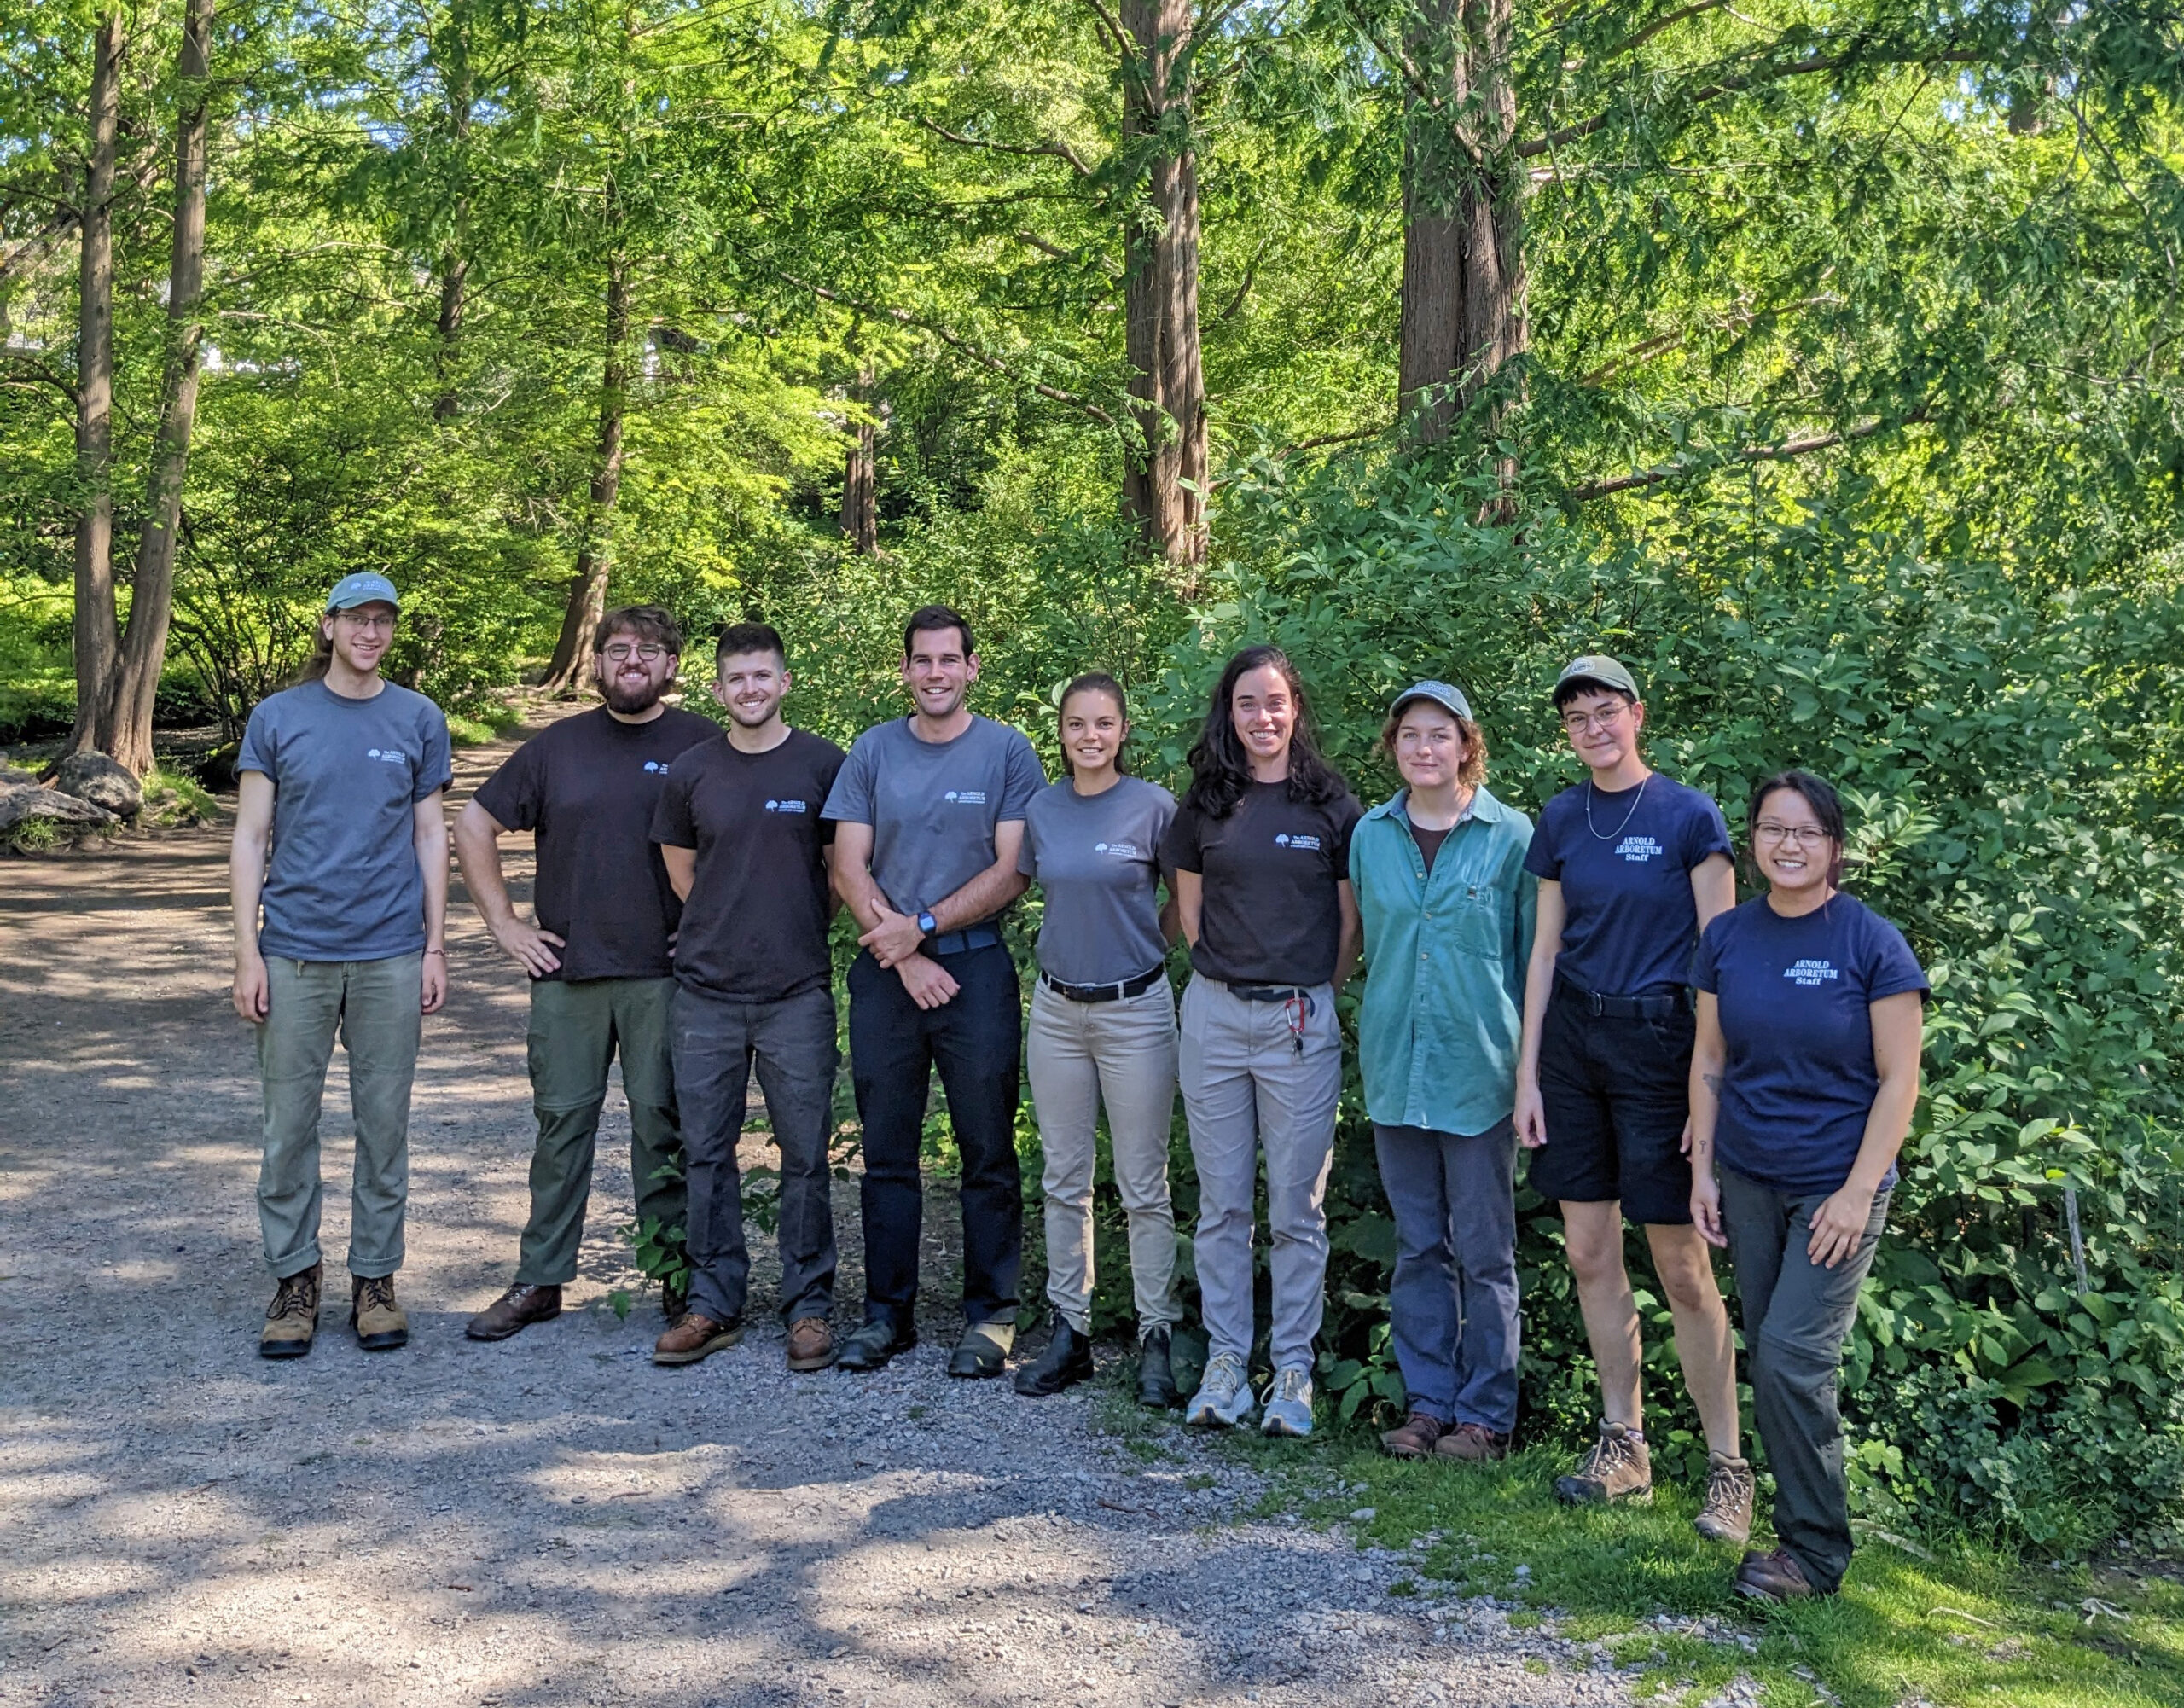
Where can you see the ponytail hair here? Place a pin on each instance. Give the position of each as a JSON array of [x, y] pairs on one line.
[[1094, 681]]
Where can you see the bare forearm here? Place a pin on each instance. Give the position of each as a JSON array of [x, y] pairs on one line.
[[1886, 1124], [431, 862], [981, 898], [859, 894], [479, 852], [1539, 979], [245, 884]]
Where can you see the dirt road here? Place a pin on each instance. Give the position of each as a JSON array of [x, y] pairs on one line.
[[553, 1520]]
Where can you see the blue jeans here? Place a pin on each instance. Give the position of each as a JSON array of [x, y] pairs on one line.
[[1452, 1308], [976, 1039]]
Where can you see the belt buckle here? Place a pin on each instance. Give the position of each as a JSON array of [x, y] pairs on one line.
[[1597, 1004]]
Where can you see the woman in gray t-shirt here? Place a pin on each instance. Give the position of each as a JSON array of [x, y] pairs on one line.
[[1103, 1030]]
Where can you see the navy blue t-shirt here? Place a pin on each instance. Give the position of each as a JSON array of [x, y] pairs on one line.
[[1794, 996], [1629, 921]]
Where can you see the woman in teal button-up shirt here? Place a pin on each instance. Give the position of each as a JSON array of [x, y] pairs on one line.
[[1447, 905]]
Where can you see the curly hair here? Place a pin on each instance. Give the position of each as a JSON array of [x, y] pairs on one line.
[[1472, 774], [1221, 773]]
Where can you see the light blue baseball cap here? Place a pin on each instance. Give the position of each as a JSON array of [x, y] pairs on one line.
[[363, 588], [1449, 699]]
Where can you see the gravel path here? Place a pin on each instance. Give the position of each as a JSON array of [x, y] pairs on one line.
[[553, 1520]]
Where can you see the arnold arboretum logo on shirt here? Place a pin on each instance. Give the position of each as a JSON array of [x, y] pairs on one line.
[[388, 754], [1309, 844], [1638, 850], [660, 766], [966, 797], [1121, 851], [1810, 973], [788, 806]]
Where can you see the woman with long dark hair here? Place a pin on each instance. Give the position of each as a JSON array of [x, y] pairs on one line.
[[1803, 1079], [1259, 853], [1102, 1031]]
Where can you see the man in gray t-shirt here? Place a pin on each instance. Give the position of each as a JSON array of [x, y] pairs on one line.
[[929, 816]]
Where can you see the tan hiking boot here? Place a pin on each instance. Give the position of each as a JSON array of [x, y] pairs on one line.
[[292, 1319], [1473, 1442], [695, 1336], [1618, 1468], [810, 1344], [517, 1308], [379, 1322], [1725, 1515], [1414, 1437]]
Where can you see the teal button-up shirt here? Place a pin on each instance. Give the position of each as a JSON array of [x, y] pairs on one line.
[[1445, 957]]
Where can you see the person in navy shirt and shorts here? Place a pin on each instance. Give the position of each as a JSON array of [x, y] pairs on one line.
[[1803, 1079], [1632, 865]]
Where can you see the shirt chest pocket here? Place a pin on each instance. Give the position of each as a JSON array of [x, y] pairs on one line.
[[1468, 916]]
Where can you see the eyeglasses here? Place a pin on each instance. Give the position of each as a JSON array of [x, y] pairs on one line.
[[1767, 831], [356, 620], [621, 653], [1576, 723]]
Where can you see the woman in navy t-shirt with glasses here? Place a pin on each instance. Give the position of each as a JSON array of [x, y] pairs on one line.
[[1804, 1077]]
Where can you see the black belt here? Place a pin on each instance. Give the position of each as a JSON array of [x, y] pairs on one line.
[[956, 942], [1105, 993], [1264, 993], [1621, 1008]]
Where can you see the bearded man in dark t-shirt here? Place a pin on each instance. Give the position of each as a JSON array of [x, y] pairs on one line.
[[597, 953], [739, 829]]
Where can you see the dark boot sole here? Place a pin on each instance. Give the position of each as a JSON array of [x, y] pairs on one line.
[[283, 1348], [1578, 1491], [818, 1363], [976, 1369], [844, 1361], [383, 1343], [719, 1343], [1037, 1387], [473, 1331]]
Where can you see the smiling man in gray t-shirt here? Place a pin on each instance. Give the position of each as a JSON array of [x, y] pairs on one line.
[[928, 815]]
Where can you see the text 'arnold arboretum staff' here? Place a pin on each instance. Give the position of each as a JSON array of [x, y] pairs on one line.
[[1585, 991]]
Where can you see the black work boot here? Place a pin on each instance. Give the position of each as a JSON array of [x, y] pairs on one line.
[[1156, 1376], [1067, 1359]]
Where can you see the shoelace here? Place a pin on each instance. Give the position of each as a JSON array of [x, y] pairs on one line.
[[291, 1298], [1726, 1485], [1609, 1453], [1225, 1375], [376, 1292], [1289, 1384]]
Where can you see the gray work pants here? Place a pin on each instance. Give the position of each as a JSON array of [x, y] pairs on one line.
[[1250, 1083], [375, 1008], [1796, 1315], [1122, 1054], [1452, 1307]]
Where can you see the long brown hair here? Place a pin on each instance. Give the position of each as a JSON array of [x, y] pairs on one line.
[[321, 653]]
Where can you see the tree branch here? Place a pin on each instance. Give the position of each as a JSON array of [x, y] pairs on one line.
[[1758, 453], [1638, 39], [903, 317], [1123, 44], [1060, 151]]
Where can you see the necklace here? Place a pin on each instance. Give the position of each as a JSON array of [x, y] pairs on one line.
[[1627, 817]]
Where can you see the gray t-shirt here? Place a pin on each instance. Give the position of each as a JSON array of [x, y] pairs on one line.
[[342, 882], [932, 805], [1097, 857]]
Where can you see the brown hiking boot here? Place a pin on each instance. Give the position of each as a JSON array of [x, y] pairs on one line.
[[1725, 1515], [810, 1344], [292, 1319], [1474, 1442], [1618, 1468], [1414, 1436], [695, 1336], [379, 1322], [1775, 1577], [518, 1308]]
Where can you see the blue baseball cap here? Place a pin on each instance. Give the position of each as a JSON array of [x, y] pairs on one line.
[[363, 588], [1449, 699]]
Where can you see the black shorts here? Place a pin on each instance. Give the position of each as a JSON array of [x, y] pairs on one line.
[[1616, 1093]]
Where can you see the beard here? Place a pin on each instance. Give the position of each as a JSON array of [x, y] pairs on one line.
[[629, 701]]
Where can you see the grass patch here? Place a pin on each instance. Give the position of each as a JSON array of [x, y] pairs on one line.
[[173, 800], [1967, 1626]]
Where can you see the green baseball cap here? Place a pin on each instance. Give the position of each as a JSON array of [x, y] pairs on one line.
[[1449, 699], [1599, 668], [363, 588]]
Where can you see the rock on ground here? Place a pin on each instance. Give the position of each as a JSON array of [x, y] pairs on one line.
[[21, 802], [553, 1520], [95, 778]]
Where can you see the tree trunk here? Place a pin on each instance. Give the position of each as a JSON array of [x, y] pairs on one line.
[[97, 633], [588, 586], [1164, 482], [859, 477], [455, 262], [1463, 275], [135, 682]]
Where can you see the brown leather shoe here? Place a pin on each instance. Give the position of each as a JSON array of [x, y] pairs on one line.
[[381, 1325], [518, 1308], [695, 1336], [1619, 1467], [1414, 1436], [810, 1344], [292, 1319], [1775, 1577], [1473, 1442], [1725, 1515]]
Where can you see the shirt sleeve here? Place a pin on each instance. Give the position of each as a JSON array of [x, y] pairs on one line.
[[1022, 777], [1344, 813], [1705, 967], [672, 821], [1890, 967], [1179, 851], [850, 800], [1027, 855], [1706, 833], [261, 742], [511, 794], [436, 769], [1542, 858], [830, 769]]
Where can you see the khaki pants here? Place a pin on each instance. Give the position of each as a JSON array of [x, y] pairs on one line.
[[577, 1027], [374, 1008], [1121, 1054]]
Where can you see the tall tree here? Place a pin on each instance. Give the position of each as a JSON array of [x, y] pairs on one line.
[[96, 636], [587, 596]]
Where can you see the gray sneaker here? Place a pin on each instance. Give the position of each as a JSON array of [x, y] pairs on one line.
[[1288, 1403], [1223, 1398]]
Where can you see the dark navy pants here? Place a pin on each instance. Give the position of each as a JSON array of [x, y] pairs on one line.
[[977, 1041]]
